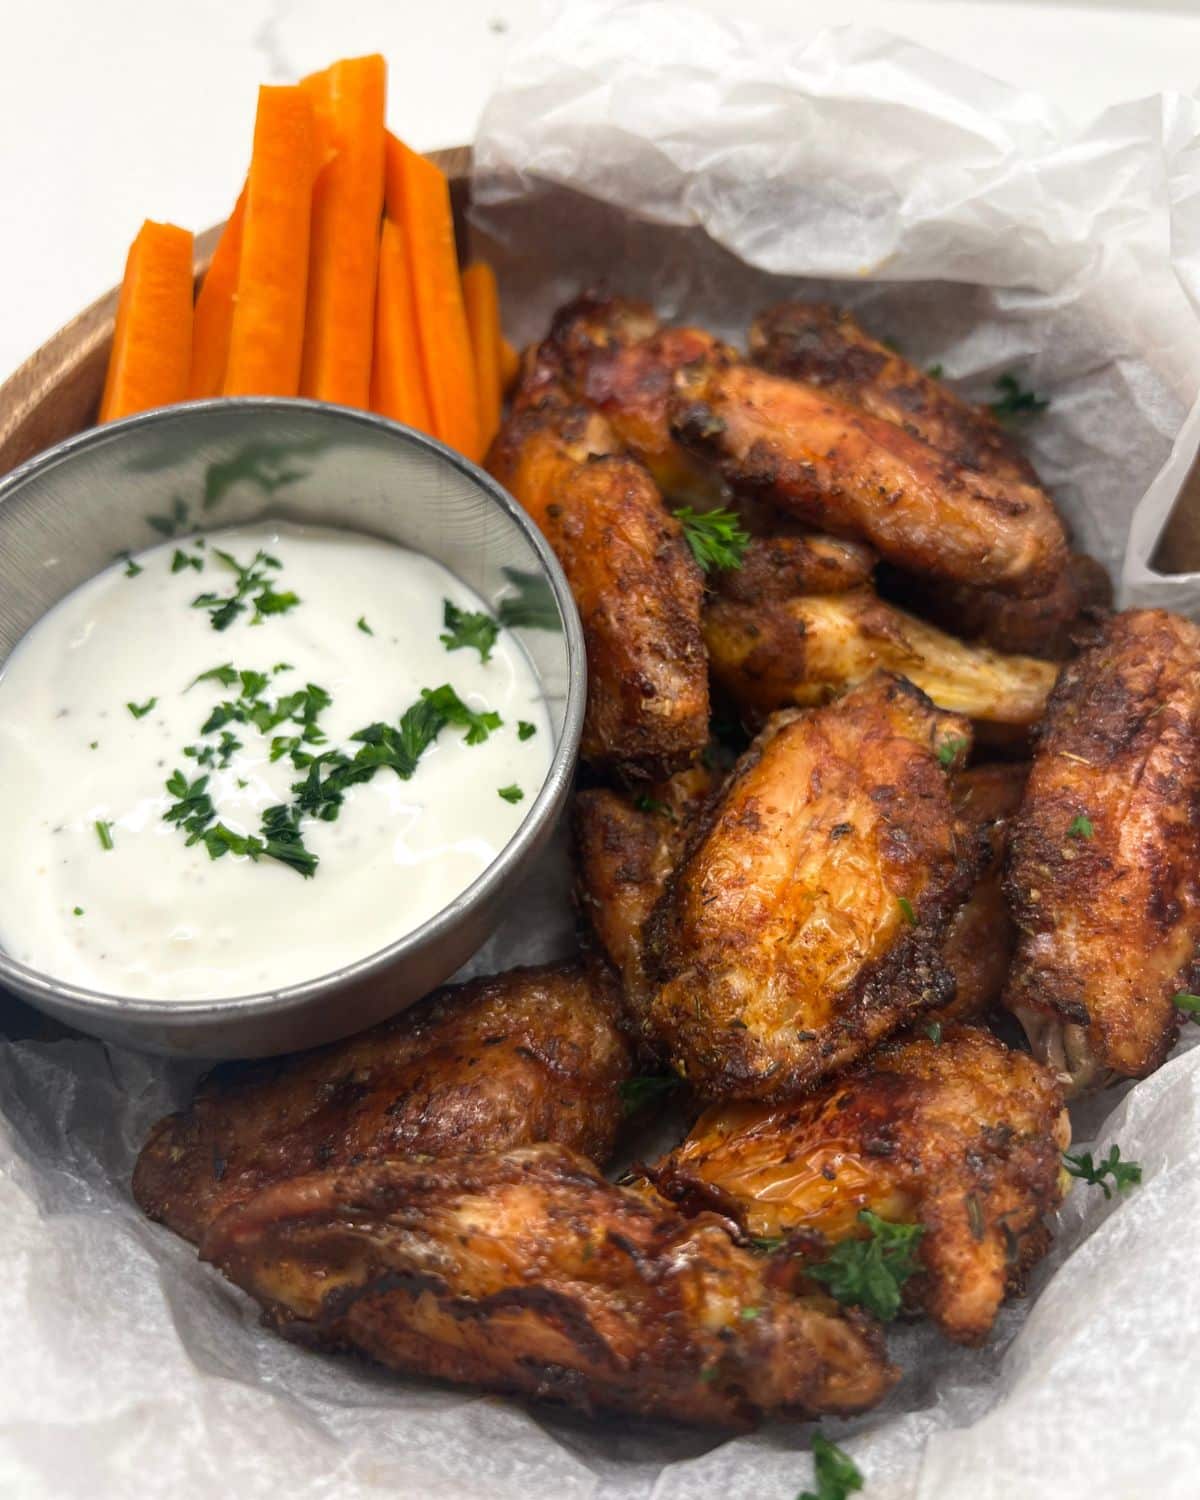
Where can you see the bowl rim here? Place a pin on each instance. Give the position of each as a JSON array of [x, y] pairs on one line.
[[35, 984]]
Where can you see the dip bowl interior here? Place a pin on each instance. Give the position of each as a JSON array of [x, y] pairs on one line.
[[209, 465]]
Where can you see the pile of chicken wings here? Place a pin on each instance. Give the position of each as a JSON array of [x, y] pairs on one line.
[[887, 841]]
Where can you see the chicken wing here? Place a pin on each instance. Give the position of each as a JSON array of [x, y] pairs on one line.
[[824, 346], [841, 470], [1053, 626], [527, 1272], [802, 650], [980, 941], [632, 575], [625, 850], [1105, 854], [805, 921], [962, 1137], [532, 1055], [780, 567]]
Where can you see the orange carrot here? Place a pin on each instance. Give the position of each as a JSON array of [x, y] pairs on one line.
[[152, 344], [214, 309], [397, 379], [510, 365], [418, 198], [348, 101], [267, 336], [483, 319]]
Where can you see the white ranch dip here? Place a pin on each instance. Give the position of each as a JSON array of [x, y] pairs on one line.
[[96, 711]]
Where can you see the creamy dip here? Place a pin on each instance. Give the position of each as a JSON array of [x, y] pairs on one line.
[[106, 702]]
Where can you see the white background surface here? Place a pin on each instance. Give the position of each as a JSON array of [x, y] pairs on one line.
[[129, 109]]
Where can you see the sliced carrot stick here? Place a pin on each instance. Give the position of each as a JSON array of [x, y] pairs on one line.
[[510, 365], [214, 309], [397, 379], [348, 100], [483, 319], [267, 336], [152, 344], [418, 199]]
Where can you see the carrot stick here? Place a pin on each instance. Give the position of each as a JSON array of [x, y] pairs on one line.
[[267, 336], [348, 101], [152, 344], [510, 365], [483, 319], [397, 379], [418, 199], [214, 309]]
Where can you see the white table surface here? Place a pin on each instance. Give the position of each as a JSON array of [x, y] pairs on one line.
[[112, 111]]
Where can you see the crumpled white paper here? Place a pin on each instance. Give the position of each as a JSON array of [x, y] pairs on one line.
[[712, 170]]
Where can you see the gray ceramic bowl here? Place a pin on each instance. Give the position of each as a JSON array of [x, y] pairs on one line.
[[64, 516]]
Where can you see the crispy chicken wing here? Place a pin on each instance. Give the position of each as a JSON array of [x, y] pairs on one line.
[[962, 1137], [528, 1272], [979, 943], [780, 567], [625, 849], [841, 470], [532, 1055], [806, 919], [632, 575], [1105, 854], [1053, 626], [824, 346], [801, 650]]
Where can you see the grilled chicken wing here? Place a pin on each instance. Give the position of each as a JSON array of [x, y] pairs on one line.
[[962, 1137], [824, 346], [1104, 864], [625, 850], [980, 940], [841, 470], [805, 921], [632, 575], [801, 650], [532, 1055], [1053, 626], [528, 1272]]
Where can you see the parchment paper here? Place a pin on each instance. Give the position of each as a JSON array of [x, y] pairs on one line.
[[711, 169]]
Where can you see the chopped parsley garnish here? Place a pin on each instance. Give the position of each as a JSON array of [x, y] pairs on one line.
[[1124, 1174], [468, 630], [748, 1314], [647, 1088], [525, 730], [181, 560], [104, 834], [226, 675], [132, 569], [140, 710], [192, 810], [948, 753], [1014, 402], [79, 911], [906, 910], [512, 793], [836, 1473], [361, 622], [934, 1032], [533, 607], [648, 804], [95, 745], [1081, 828], [715, 537], [1189, 1004], [218, 755], [252, 586], [935, 372], [871, 1271]]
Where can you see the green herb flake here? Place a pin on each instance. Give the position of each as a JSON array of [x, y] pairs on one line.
[[1124, 1174], [1081, 828], [361, 622], [648, 804], [512, 793], [252, 586], [95, 745], [647, 1088], [949, 752], [466, 630], [716, 537], [1015, 404], [934, 1032], [140, 710], [767, 1243], [1189, 1004], [748, 1314], [132, 569], [935, 372], [104, 834], [871, 1271], [906, 910], [181, 561], [78, 911], [525, 730], [836, 1473]]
